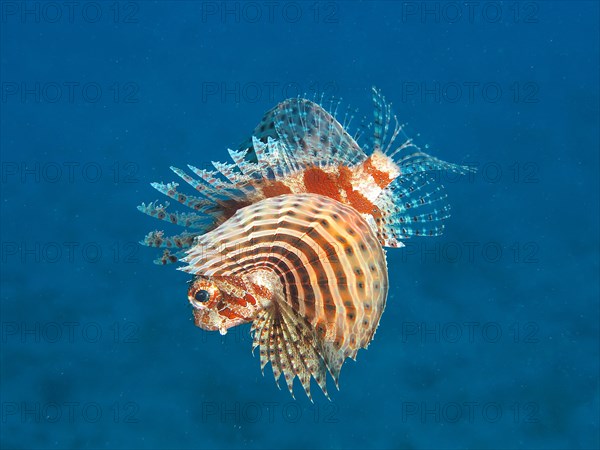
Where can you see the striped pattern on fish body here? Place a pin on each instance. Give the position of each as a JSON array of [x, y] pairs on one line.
[[289, 236], [324, 274]]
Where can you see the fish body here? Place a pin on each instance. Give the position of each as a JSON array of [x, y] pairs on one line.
[[290, 236]]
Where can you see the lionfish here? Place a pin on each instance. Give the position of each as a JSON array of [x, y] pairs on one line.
[[290, 235]]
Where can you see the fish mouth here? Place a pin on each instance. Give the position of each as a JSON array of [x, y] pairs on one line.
[[202, 319]]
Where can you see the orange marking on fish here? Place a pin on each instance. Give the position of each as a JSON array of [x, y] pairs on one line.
[[320, 182], [230, 207], [275, 188], [249, 299], [235, 300], [355, 198], [261, 291], [382, 179], [229, 314], [234, 281]]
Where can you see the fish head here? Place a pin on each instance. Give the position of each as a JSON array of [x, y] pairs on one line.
[[221, 303]]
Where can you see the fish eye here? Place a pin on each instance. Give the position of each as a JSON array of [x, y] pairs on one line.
[[201, 296]]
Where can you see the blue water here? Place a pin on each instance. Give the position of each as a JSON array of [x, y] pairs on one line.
[[490, 335]]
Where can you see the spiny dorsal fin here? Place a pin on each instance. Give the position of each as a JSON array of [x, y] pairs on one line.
[[310, 133], [298, 135]]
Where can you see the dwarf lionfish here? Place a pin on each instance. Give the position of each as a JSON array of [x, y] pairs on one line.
[[290, 236]]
